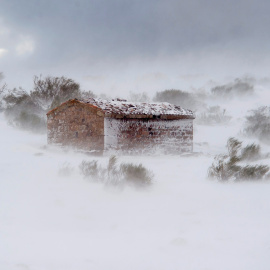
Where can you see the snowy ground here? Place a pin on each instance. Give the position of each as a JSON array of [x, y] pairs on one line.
[[184, 221]]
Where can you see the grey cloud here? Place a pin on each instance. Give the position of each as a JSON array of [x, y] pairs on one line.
[[82, 34], [66, 29]]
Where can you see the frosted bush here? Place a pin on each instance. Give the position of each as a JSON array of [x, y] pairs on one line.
[[239, 87], [178, 97], [116, 174], [258, 124], [229, 166]]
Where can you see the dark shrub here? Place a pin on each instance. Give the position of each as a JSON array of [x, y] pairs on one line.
[[50, 92], [239, 87], [258, 124], [22, 112], [177, 97], [251, 152], [136, 174], [115, 174], [28, 111], [90, 169], [228, 167]]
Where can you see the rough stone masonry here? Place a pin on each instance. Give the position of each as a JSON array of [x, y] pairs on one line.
[[96, 124]]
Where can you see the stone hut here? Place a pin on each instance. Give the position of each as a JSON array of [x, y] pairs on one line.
[[96, 124]]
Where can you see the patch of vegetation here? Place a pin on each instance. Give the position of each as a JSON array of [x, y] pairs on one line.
[[212, 116], [178, 97], [258, 124], [229, 166], [116, 174], [251, 152], [28, 110], [22, 112], [50, 92], [239, 87]]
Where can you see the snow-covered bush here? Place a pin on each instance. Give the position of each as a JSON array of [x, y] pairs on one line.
[[116, 174], [230, 166], [50, 92], [22, 112], [178, 97], [28, 110], [258, 124], [239, 87]]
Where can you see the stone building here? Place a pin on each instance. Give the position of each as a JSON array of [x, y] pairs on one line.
[[96, 124]]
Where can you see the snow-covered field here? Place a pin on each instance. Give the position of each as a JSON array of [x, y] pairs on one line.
[[183, 221]]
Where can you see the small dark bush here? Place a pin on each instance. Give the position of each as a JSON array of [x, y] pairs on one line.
[[251, 152], [239, 87], [90, 169], [256, 172], [258, 124], [86, 94], [228, 167], [30, 121], [50, 92], [136, 174], [177, 97], [115, 174], [22, 112], [28, 111]]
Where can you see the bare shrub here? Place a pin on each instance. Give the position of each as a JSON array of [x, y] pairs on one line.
[[90, 169], [255, 172], [86, 94], [229, 167], [239, 87], [258, 124], [212, 116], [116, 174], [22, 112], [50, 92], [29, 121], [177, 97], [136, 174], [28, 111], [251, 152], [234, 147]]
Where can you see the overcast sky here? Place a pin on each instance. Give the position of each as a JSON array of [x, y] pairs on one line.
[[116, 46]]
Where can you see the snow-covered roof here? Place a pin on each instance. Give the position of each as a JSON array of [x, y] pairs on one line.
[[124, 109]]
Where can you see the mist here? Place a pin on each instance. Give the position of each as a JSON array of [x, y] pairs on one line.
[[208, 56], [55, 218], [140, 46]]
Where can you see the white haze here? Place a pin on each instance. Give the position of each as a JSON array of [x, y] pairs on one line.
[[183, 221]]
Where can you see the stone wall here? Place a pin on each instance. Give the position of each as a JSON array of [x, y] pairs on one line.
[[149, 135], [78, 125], [85, 126]]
